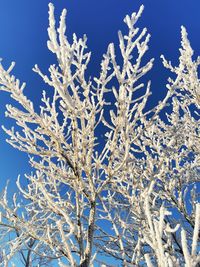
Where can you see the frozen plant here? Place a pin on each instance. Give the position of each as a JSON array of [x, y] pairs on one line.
[[131, 196]]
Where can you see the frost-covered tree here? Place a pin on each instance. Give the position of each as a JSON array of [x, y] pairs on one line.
[[129, 199]]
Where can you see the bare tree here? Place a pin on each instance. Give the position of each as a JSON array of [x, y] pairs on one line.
[[132, 196]]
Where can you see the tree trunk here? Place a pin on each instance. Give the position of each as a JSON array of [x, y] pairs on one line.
[[89, 244]]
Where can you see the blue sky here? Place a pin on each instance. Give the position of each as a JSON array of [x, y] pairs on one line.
[[23, 37], [23, 34]]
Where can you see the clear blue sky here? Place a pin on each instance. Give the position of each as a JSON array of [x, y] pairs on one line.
[[23, 35], [23, 39]]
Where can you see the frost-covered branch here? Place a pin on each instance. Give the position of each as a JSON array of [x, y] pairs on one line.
[[132, 196]]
